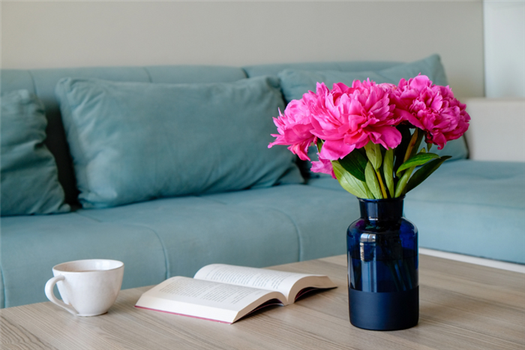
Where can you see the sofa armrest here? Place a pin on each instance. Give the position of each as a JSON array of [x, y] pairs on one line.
[[497, 129]]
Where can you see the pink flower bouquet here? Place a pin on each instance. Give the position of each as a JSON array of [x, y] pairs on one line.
[[368, 135]]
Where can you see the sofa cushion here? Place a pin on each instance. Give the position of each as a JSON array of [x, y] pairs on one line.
[[43, 82], [467, 207], [320, 216], [259, 227], [31, 246], [29, 181], [472, 207], [199, 230], [344, 66], [296, 82], [132, 142]]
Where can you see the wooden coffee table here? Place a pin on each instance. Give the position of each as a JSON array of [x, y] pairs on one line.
[[462, 306]]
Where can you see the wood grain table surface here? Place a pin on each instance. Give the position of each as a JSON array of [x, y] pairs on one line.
[[462, 306]]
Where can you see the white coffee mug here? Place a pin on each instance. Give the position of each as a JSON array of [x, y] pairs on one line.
[[87, 287]]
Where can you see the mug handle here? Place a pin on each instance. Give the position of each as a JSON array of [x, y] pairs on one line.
[[50, 285]]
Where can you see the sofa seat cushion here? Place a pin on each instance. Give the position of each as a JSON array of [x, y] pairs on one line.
[[486, 183], [31, 246], [320, 217], [460, 207], [29, 177], [472, 207], [133, 142], [197, 230]]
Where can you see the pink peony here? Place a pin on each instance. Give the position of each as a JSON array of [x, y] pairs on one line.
[[294, 129], [323, 166], [432, 108], [346, 118], [349, 117]]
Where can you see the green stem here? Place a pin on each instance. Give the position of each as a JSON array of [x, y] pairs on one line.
[[381, 184], [413, 146]]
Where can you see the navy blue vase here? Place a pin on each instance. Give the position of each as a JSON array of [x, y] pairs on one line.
[[383, 267]]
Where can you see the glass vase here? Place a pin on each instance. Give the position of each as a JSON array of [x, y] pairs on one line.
[[383, 286]]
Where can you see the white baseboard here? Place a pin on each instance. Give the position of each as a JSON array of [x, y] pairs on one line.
[[473, 260]]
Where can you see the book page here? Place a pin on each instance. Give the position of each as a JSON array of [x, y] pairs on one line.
[[205, 299], [281, 281]]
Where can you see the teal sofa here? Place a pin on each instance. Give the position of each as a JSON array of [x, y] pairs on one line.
[[167, 169]]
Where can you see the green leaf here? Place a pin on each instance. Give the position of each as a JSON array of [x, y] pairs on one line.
[[373, 153], [355, 164], [350, 183], [417, 160], [388, 171], [424, 172], [402, 182], [371, 181]]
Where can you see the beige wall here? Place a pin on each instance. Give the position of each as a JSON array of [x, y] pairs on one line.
[[44, 34], [504, 38], [497, 128]]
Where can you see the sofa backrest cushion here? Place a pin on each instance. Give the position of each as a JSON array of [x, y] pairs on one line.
[[29, 178], [348, 66], [132, 142], [296, 82], [42, 83]]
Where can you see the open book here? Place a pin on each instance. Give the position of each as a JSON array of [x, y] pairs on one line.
[[226, 293]]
